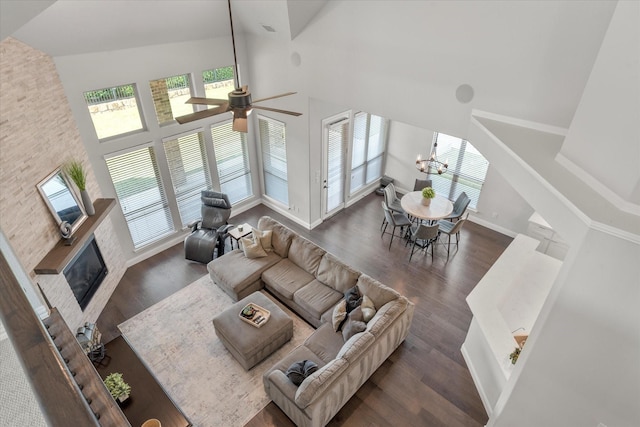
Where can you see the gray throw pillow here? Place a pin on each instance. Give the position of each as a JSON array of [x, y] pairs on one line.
[[352, 327], [301, 370], [353, 298]]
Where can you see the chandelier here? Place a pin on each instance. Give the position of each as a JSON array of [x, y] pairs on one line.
[[432, 164]]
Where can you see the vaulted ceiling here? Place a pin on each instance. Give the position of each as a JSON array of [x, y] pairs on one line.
[[66, 27]]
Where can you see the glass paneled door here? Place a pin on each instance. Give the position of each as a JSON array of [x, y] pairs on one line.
[[335, 144]]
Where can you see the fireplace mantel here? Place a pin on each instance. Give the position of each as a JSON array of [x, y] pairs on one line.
[[58, 257]]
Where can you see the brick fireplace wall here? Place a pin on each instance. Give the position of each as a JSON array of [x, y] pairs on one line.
[[37, 134]]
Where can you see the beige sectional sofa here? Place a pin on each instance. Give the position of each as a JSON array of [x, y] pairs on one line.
[[311, 282]]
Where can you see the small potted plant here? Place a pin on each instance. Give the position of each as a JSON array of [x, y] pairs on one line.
[[117, 387], [78, 175], [514, 355], [428, 193]]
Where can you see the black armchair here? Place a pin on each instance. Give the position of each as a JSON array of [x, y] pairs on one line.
[[208, 234]]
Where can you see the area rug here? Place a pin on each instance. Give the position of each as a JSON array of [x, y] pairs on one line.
[[176, 340]]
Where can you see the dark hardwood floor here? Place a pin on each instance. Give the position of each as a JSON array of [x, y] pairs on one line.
[[425, 382]]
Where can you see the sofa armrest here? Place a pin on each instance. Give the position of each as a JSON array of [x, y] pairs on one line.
[[278, 379]]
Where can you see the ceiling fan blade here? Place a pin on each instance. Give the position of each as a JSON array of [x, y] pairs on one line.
[[205, 101], [276, 110], [276, 96], [202, 114], [240, 124]]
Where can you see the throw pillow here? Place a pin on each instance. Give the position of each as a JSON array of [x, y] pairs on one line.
[[368, 309], [353, 298], [264, 237], [352, 327], [339, 314], [252, 249], [357, 314], [301, 370]]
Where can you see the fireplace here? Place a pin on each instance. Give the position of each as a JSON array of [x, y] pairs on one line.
[[85, 272]]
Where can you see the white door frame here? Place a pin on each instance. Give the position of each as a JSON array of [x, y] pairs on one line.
[[344, 116]]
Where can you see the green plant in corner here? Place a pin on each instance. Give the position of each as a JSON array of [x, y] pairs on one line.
[[116, 386], [428, 193], [77, 173]]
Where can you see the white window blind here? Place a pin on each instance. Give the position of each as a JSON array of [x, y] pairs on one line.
[[274, 159], [187, 160], [467, 169], [369, 143], [141, 195], [338, 135], [232, 160]]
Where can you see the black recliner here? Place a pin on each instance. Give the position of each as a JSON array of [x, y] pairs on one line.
[[208, 234]]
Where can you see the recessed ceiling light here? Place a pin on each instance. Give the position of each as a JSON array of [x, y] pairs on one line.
[[268, 28]]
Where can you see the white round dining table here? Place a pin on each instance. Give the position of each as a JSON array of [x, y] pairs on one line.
[[439, 208]]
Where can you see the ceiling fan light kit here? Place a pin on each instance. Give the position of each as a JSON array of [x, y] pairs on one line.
[[239, 101]]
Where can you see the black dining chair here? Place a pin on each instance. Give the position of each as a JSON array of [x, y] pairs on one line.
[[394, 219]]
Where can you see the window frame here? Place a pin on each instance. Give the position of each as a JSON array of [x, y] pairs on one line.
[[136, 95], [265, 157], [184, 196], [455, 185], [166, 209], [246, 160]]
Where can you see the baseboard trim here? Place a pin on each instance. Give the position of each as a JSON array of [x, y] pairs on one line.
[[492, 226], [476, 381]]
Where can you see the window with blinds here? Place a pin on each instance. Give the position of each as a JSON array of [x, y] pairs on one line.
[[467, 169], [232, 161], [369, 144], [187, 161], [337, 140], [136, 179], [274, 159]]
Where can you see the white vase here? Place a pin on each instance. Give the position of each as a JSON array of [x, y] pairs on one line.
[[86, 201], [426, 201]]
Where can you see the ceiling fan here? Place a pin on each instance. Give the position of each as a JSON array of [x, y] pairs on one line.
[[239, 102]]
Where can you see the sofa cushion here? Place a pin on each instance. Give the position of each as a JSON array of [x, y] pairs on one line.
[[281, 236], [314, 386], [234, 272], [264, 237], [286, 278], [251, 248], [325, 342], [332, 272], [386, 315], [305, 254], [376, 291], [355, 346], [316, 298]]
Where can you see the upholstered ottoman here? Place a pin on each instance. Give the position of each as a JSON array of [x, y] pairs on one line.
[[249, 344]]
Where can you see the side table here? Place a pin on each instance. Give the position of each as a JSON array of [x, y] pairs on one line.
[[237, 234]]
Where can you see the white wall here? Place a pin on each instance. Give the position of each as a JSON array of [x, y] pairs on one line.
[[612, 96], [404, 59], [580, 367], [81, 73], [500, 207]]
